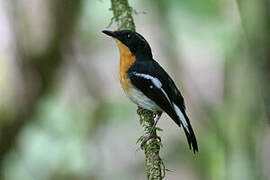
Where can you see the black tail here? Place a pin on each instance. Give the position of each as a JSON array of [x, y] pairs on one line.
[[191, 138], [182, 118]]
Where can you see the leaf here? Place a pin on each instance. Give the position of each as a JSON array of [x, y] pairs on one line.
[[139, 139], [159, 129]]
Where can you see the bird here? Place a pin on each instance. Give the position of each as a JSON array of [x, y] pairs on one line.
[[147, 84]]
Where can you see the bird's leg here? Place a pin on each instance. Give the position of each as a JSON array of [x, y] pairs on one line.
[[150, 135]]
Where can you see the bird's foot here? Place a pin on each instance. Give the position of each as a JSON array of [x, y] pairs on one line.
[[148, 136]]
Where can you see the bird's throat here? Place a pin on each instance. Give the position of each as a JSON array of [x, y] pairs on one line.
[[126, 60]]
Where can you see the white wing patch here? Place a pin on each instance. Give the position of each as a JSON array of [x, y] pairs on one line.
[[155, 81], [181, 116]]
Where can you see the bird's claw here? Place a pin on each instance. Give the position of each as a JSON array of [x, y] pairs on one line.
[[147, 137]]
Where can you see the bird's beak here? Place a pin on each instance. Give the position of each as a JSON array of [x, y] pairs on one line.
[[110, 33]]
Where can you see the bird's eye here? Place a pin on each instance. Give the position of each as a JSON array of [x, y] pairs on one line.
[[128, 36]]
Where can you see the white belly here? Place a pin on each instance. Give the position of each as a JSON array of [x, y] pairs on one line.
[[141, 100]]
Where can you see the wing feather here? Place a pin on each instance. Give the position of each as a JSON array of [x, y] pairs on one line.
[[150, 78]]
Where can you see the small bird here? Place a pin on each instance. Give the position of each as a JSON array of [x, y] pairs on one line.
[[147, 84]]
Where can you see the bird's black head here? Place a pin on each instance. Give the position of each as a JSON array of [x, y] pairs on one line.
[[133, 40]]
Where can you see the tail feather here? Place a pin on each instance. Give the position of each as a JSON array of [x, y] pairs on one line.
[[184, 121], [192, 142]]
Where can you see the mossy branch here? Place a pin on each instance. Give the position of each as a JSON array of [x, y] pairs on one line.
[[122, 14], [154, 166], [155, 170]]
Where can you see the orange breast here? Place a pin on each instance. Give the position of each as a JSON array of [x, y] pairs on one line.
[[126, 60]]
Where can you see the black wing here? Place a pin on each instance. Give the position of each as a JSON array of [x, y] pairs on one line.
[[150, 78]]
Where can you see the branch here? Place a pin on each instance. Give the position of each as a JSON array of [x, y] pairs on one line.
[[155, 170], [154, 166], [122, 14]]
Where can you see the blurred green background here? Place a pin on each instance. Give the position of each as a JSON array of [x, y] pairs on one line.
[[63, 114]]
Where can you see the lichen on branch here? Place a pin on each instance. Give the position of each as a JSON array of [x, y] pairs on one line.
[[122, 14]]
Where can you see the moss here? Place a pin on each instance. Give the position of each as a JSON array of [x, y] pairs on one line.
[[122, 14]]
